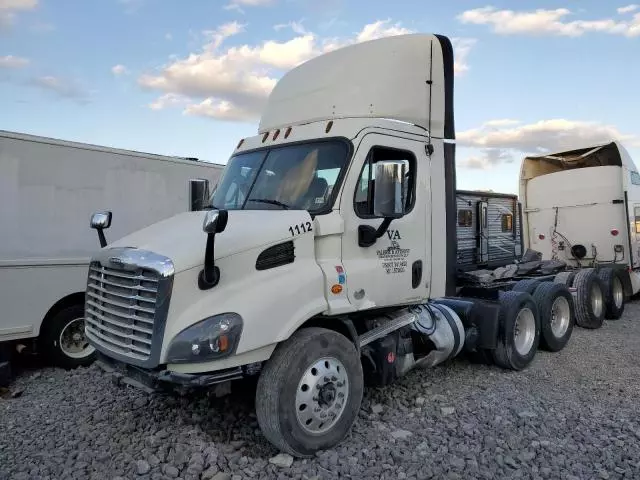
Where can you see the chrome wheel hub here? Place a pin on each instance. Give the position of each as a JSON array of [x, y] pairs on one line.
[[73, 341], [322, 395], [596, 300], [560, 316], [524, 331], [618, 292]]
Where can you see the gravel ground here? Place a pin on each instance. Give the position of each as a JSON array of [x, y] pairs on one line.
[[570, 415]]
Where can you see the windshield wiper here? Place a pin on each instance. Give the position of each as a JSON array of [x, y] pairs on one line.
[[271, 202]]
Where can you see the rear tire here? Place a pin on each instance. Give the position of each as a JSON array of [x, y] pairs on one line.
[[557, 315], [518, 331], [589, 303], [297, 394], [529, 286], [63, 339], [565, 278], [613, 292]]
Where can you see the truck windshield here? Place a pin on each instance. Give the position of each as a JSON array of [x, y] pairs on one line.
[[297, 177]]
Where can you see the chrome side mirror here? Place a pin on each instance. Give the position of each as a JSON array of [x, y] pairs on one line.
[[390, 193], [215, 221], [198, 194], [100, 221]]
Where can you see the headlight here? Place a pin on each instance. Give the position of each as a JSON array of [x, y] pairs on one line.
[[210, 339]]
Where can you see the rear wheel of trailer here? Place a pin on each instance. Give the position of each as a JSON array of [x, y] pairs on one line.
[[613, 292], [309, 392]]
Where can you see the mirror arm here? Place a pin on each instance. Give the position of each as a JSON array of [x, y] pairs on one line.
[[101, 238], [367, 235], [210, 275]]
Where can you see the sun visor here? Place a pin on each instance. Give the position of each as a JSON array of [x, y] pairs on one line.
[[403, 77]]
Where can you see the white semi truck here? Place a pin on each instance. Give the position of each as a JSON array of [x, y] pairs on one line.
[[582, 207], [48, 190], [327, 256]]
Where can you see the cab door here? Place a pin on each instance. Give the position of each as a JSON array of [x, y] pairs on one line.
[[396, 268]]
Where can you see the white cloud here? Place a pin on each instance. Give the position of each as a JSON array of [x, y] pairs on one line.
[[168, 36], [8, 9], [500, 141], [547, 22], [238, 4], [380, 29], [297, 27], [168, 100], [11, 61], [461, 49], [119, 70], [240, 77], [61, 87], [628, 9]]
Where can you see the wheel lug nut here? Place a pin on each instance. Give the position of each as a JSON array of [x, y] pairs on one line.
[[326, 379], [333, 379], [341, 395]]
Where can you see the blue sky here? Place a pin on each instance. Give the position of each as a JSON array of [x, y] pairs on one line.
[[189, 77]]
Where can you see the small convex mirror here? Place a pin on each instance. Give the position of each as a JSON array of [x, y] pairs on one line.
[[101, 220], [215, 221], [390, 191]]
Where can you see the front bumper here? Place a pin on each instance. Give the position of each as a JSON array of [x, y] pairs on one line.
[[158, 379]]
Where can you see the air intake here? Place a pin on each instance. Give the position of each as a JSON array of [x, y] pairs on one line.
[[276, 256]]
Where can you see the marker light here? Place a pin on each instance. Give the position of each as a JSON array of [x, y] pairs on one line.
[[614, 232], [541, 236]]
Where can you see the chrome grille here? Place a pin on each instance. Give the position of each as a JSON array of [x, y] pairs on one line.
[[120, 309]]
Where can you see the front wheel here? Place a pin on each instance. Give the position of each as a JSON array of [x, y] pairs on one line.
[[309, 392], [64, 341]]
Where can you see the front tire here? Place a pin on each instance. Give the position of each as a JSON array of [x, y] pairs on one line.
[[63, 339], [309, 393]]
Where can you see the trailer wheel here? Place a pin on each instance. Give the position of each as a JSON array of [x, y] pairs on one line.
[[63, 339], [613, 292], [528, 285], [589, 303], [565, 278], [518, 331], [557, 315], [309, 392]]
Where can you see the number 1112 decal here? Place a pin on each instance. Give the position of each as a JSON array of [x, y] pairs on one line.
[[303, 227]]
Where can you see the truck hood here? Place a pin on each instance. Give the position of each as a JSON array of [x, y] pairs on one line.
[[181, 238]]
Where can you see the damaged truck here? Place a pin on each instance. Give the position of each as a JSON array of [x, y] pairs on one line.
[[327, 257]]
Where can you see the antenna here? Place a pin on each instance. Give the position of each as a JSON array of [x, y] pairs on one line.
[[429, 147]]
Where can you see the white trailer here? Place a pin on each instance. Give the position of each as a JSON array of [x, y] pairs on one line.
[[582, 208], [48, 190]]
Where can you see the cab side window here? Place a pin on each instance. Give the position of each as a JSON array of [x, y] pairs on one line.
[[363, 198]]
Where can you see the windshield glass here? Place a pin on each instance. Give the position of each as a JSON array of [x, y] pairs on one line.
[[298, 177]]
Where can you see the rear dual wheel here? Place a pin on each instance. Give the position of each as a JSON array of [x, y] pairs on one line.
[[613, 292], [555, 308], [518, 330]]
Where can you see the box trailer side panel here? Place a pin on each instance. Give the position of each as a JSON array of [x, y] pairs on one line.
[[48, 191]]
